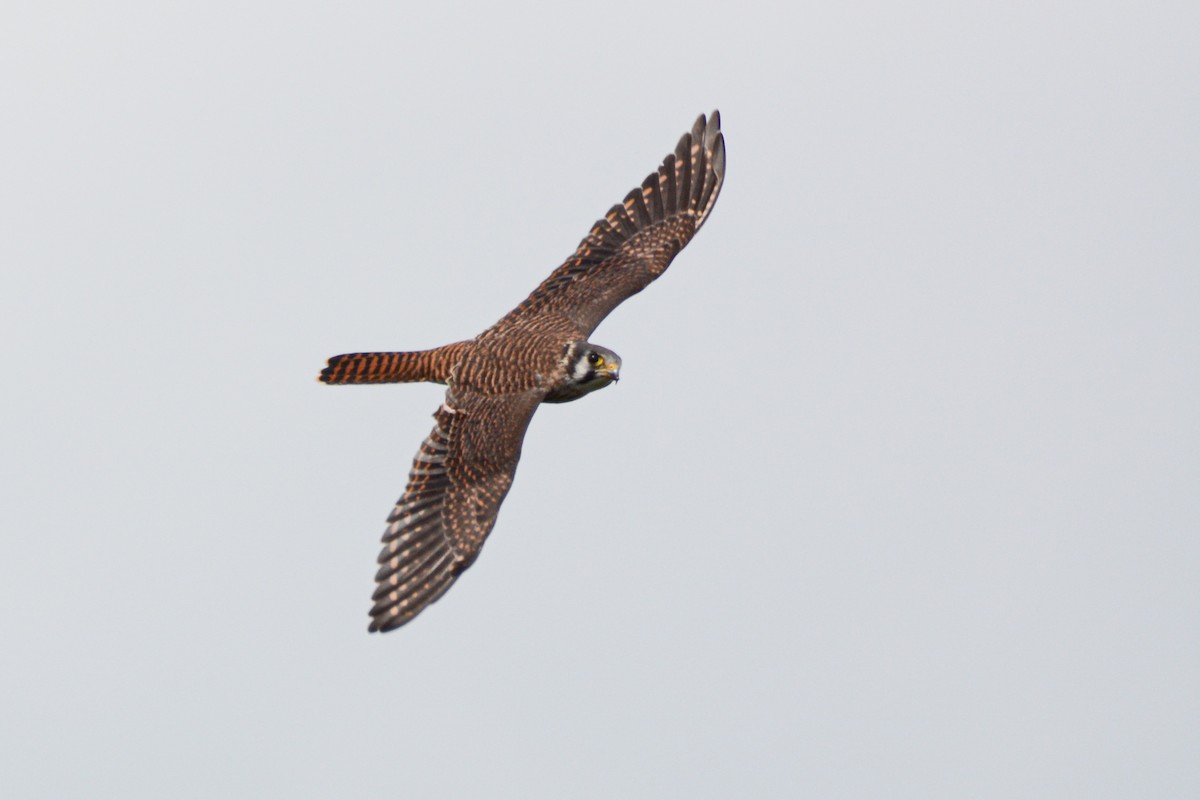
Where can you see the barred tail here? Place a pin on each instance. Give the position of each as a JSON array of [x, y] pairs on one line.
[[420, 365]]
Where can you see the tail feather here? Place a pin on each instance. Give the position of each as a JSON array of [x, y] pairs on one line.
[[419, 365]]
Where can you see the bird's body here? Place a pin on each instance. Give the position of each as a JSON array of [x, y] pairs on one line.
[[538, 353]]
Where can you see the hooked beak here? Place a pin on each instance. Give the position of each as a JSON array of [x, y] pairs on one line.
[[613, 373]]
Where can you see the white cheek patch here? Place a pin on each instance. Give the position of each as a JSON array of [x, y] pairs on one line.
[[581, 370]]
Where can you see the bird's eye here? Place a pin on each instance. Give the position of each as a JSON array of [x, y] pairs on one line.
[[594, 359]]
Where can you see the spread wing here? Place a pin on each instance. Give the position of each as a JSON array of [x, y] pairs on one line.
[[635, 241], [458, 480]]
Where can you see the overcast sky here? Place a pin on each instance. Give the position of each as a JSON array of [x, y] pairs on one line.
[[897, 497]]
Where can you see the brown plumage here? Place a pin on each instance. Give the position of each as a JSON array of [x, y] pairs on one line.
[[420, 365], [538, 353]]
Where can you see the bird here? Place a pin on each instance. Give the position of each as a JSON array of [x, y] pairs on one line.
[[537, 353]]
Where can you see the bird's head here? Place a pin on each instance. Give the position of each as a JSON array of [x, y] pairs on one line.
[[591, 367]]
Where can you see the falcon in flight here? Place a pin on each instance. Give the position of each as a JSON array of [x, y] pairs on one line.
[[539, 353]]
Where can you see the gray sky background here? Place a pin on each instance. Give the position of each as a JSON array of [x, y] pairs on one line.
[[897, 496]]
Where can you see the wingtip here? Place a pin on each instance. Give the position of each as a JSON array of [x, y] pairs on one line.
[[712, 131], [386, 623], [718, 158], [384, 620], [706, 128], [386, 627]]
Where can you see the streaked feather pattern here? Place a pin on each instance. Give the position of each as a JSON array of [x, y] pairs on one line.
[[418, 365], [464, 468], [636, 240], [459, 478]]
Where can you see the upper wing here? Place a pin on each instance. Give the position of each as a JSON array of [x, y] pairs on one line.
[[459, 478], [635, 241]]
